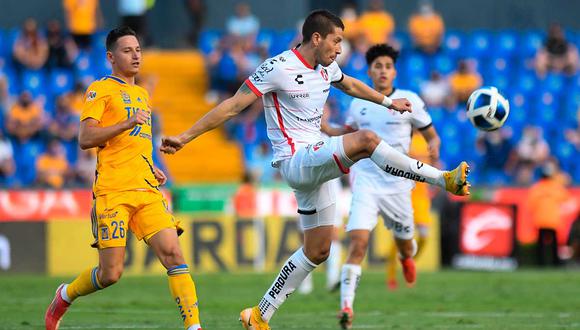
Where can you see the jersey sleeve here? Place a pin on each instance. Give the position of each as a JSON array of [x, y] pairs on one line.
[[95, 102], [335, 73], [350, 116], [266, 78], [420, 118]]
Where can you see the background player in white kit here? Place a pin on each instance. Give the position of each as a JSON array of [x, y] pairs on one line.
[[294, 86], [375, 192]]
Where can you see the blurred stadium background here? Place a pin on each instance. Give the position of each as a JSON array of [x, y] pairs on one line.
[[238, 214]]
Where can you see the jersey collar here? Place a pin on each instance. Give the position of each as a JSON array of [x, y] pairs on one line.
[[297, 53], [119, 80]]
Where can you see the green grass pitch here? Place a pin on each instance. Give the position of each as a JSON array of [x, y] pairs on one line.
[[528, 299]]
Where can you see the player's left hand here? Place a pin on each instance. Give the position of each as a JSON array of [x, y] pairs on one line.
[[160, 176], [171, 144], [401, 105]]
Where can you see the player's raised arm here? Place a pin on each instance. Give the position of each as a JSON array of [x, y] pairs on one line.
[[358, 89], [217, 116]]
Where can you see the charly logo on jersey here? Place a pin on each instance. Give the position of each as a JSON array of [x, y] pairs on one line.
[[318, 146], [126, 98], [324, 74], [298, 79], [91, 95]]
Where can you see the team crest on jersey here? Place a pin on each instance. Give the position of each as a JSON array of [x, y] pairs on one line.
[[104, 233], [91, 95], [324, 74], [126, 98]]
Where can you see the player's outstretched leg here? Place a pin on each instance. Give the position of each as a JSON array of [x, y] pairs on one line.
[[316, 247], [365, 143], [86, 283]]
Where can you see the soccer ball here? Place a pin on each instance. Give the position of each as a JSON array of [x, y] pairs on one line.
[[487, 109]]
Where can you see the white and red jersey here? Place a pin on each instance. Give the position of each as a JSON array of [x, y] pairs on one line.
[[392, 127], [294, 94]]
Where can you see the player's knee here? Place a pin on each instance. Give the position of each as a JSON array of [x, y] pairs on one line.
[[318, 255], [110, 276], [368, 140], [358, 249], [172, 256]]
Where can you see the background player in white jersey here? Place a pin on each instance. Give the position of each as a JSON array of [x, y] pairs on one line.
[[375, 192], [294, 86]]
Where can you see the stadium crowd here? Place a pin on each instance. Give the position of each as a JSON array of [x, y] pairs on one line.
[[45, 69]]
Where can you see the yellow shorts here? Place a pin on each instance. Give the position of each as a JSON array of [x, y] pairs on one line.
[[421, 204], [145, 213]]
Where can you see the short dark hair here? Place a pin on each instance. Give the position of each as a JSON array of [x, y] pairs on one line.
[[381, 50], [117, 33], [321, 21]]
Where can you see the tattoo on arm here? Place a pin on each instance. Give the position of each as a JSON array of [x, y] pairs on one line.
[[244, 89]]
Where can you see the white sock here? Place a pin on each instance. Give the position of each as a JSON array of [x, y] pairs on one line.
[[294, 271], [63, 294], [333, 265], [396, 163], [306, 286], [349, 278], [194, 327]]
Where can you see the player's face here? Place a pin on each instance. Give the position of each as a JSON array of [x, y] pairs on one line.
[[382, 72], [126, 56], [329, 47]]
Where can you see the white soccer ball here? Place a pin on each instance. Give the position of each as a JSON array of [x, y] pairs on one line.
[[487, 109]]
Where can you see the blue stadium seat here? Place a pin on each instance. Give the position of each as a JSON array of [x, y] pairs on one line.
[[13, 81], [443, 63], [34, 82], [415, 64], [25, 160], [499, 80], [453, 42], [4, 50], [404, 40], [500, 64], [61, 81], [553, 82], [505, 44], [356, 65], [209, 40], [265, 38], [282, 41], [479, 44], [530, 42], [526, 82]]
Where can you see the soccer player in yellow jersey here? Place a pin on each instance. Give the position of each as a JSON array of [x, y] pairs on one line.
[[116, 119], [421, 203]]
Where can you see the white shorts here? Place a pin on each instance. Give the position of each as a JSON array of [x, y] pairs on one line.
[[308, 173], [395, 209]]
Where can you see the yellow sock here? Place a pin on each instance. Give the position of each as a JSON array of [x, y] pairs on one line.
[[392, 264], [183, 292], [421, 241], [86, 283]]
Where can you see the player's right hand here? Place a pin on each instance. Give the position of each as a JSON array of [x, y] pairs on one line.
[[171, 144], [140, 117], [401, 105]]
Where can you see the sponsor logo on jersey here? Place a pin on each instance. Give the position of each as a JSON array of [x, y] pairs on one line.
[[281, 279], [310, 120], [108, 215], [126, 98], [318, 146], [299, 95], [324, 74], [404, 174], [91, 95], [263, 70]]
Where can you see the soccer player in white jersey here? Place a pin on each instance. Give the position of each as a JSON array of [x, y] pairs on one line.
[[374, 191], [294, 86]]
